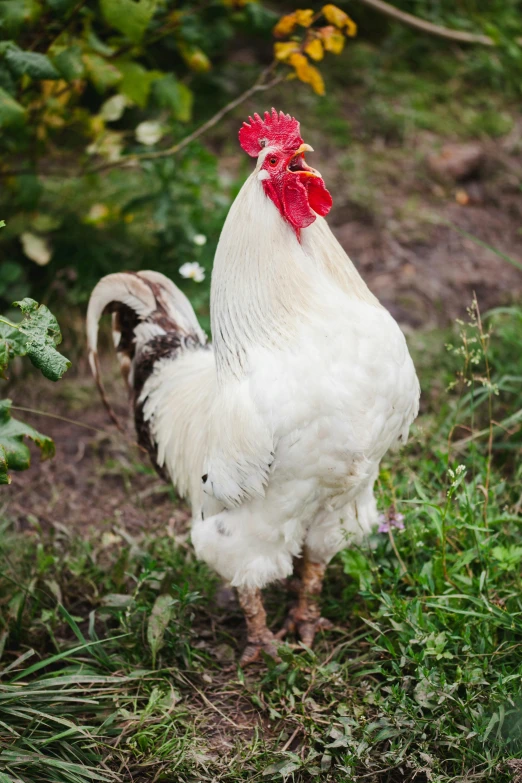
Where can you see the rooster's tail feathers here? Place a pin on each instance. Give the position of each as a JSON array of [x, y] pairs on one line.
[[133, 299], [151, 320]]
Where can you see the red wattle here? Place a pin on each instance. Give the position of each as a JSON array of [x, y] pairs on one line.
[[318, 196], [295, 203]]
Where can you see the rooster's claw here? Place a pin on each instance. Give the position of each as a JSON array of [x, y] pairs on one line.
[[252, 651], [305, 628]]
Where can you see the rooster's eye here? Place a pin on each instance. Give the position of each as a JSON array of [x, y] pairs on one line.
[[272, 161]]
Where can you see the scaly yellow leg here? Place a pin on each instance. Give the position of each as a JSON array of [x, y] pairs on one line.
[[305, 618], [259, 636]]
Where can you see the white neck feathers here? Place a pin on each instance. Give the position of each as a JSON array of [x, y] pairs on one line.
[[265, 283]]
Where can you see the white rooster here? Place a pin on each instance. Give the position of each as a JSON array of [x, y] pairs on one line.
[[275, 432]]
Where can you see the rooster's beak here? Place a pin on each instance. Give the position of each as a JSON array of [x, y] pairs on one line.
[[303, 169]]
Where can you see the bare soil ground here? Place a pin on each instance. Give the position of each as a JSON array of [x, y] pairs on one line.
[[410, 242], [98, 477]]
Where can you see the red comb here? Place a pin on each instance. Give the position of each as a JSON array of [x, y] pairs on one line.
[[278, 129]]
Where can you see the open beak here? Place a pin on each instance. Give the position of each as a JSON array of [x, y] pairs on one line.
[[298, 165]]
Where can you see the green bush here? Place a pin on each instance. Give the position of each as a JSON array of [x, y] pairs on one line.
[[82, 85]]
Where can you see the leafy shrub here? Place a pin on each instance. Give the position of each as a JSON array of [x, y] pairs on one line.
[[87, 88], [35, 336]]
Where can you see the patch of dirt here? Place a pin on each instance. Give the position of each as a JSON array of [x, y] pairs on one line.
[[430, 282], [421, 244], [98, 478]]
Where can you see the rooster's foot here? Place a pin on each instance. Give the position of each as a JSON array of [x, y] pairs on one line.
[[252, 652], [305, 627]]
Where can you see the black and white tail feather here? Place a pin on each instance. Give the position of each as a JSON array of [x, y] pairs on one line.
[[167, 365]]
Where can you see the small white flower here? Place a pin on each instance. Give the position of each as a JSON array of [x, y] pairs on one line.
[[200, 240], [192, 271], [149, 132]]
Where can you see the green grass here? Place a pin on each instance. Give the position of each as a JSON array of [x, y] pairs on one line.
[[117, 663]]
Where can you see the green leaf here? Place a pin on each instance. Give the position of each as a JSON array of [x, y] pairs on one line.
[[355, 563], [42, 332], [101, 73], [15, 14], [11, 271], [70, 64], [28, 189], [159, 621], [7, 82], [97, 45], [6, 46], [129, 16], [12, 343], [172, 94], [14, 453], [34, 64], [4, 475], [11, 112], [136, 81], [61, 7], [12, 17]]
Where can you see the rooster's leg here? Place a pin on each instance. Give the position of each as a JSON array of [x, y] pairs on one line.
[[259, 636], [305, 618]]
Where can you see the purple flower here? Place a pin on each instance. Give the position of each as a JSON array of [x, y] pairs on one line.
[[392, 519]]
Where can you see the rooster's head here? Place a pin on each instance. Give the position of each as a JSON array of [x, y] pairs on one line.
[[297, 190]]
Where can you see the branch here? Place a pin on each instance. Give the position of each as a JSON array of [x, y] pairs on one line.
[[132, 160], [62, 29], [428, 27]]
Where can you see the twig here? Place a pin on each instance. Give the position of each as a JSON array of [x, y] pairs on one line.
[[62, 29], [292, 738], [258, 86], [429, 27], [56, 416], [133, 160], [212, 706]]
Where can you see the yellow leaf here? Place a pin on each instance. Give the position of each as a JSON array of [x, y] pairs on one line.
[[285, 26], [301, 65], [307, 73], [333, 40], [282, 51], [314, 49], [52, 120], [316, 81], [304, 17], [335, 16], [195, 58], [97, 124], [351, 28]]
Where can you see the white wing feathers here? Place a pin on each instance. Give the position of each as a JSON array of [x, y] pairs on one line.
[[240, 448]]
